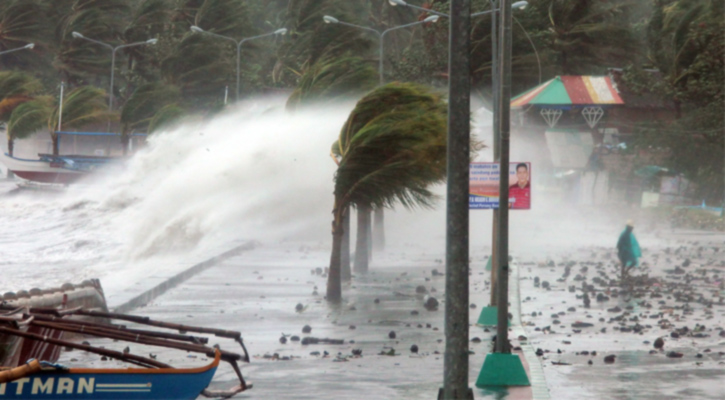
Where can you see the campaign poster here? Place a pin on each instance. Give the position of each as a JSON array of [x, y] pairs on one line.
[[484, 185]]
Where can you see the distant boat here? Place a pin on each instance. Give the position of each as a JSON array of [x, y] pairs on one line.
[[61, 169]]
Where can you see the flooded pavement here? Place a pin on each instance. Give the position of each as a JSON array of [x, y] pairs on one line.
[[258, 293], [681, 303]]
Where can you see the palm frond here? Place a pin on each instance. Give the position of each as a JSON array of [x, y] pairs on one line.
[[30, 117]]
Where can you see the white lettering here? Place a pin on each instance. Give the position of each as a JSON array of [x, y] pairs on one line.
[[65, 386], [40, 387], [86, 385], [21, 383]]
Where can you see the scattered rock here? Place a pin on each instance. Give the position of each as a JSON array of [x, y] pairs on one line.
[[659, 343], [610, 359], [414, 348], [391, 335], [306, 329]]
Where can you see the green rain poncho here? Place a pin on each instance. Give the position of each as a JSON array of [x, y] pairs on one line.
[[628, 249]]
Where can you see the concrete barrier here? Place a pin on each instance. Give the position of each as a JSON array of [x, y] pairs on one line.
[[156, 291]]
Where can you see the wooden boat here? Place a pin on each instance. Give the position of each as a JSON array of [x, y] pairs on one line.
[[154, 380], [14, 349], [62, 169], [38, 380]]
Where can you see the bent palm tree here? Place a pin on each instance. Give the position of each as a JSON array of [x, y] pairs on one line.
[[16, 88], [142, 106], [82, 106], [391, 148]]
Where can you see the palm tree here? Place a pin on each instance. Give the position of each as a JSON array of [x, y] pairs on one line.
[[390, 149], [22, 22], [333, 79], [16, 88], [28, 118], [82, 106], [142, 106], [165, 117]]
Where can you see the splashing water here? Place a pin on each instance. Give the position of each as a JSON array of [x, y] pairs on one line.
[[255, 172]]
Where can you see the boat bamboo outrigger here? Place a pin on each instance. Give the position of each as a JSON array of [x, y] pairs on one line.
[[37, 378]]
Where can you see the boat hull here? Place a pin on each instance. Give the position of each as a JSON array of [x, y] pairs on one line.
[[112, 384], [41, 171]]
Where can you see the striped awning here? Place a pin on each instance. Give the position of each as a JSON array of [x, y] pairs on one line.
[[568, 91]]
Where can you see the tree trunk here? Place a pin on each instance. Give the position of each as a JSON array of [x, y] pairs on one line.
[[361, 244], [379, 230], [124, 143], [11, 145], [345, 249], [56, 144], [334, 284]]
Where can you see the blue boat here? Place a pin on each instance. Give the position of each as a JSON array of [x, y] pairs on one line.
[[148, 379], [52, 381]]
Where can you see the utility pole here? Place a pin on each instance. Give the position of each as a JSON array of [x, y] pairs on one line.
[[504, 109], [455, 365]]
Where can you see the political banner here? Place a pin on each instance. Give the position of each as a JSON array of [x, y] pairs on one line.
[[484, 186]]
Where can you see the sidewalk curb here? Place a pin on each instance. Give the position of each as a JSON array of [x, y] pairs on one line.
[[170, 283], [539, 388]]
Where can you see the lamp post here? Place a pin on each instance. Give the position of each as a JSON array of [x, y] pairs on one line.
[[518, 4], [27, 46], [113, 57], [381, 35], [239, 43]]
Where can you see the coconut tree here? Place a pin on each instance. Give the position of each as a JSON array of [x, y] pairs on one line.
[[391, 149], [165, 117], [16, 88], [82, 106], [22, 22], [333, 79], [28, 118], [143, 105]]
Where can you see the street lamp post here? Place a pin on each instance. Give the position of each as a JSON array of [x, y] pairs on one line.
[[518, 4], [239, 43], [113, 57], [381, 35], [27, 46]]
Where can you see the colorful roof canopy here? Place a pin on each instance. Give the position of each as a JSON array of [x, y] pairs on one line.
[[568, 91]]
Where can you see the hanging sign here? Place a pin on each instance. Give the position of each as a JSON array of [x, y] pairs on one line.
[[484, 185]]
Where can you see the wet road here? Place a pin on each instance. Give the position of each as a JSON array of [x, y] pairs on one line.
[[257, 293]]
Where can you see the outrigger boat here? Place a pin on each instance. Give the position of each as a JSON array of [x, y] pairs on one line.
[[61, 169], [153, 380], [36, 324]]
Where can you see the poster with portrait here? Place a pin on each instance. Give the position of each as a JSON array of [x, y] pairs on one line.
[[484, 186]]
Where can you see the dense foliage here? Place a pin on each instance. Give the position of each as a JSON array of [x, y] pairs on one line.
[[681, 38]]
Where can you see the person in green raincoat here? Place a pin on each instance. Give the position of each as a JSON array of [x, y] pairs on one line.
[[628, 249]]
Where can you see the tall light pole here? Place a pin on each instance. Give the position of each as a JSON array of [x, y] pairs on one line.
[[381, 35], [27, 46], [455, 361], [518, 4], [239, 43], [113, 58]]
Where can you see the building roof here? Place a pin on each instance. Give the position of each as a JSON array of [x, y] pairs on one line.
[[568, 91]]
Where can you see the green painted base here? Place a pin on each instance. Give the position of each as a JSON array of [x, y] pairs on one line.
[[488, 264], [502, 370], [489, 317]]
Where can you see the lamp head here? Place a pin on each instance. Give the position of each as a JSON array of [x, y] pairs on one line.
[[195, 28], [30, 45], [330, 20], [397, 3], [76, 35], [280, 31], [152, 41], [432, 18], [519, 5]]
